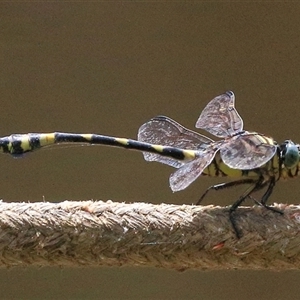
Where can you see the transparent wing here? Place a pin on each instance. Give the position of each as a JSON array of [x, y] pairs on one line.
[[220, 117], [189, 172], [247, 151], [164, 131]]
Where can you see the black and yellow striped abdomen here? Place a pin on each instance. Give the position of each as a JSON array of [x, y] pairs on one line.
[[18, 144]]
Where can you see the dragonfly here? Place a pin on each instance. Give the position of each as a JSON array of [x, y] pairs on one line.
[[254, 157], [257, 159]]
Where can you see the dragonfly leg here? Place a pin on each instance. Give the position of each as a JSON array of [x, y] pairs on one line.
[[271, 184], [232, 219], [258, 185], [254, 200], [267, 194], [261, 186], [225, 185]]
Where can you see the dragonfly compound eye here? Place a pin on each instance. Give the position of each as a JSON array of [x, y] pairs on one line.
[[290, 154]]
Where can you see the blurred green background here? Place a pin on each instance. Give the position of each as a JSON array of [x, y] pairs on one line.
[[109, 67]]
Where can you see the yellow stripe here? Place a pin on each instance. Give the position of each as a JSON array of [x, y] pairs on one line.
[[24, 139], [87, 136], [122, 141], [229, 171], [265, 139], [158, 148], [46, 139], [189, 154]]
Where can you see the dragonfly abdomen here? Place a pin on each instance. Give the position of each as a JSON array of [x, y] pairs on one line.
[[95, 139], [19, 144]]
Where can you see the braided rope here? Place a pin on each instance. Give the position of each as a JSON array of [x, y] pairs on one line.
[[178, 237]]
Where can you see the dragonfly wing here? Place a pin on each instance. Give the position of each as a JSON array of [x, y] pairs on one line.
[[247, 151], [164, 131], [184, 176], [220, 117], [164, 160]]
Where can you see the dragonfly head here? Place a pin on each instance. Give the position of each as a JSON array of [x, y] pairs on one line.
[[290, 153]]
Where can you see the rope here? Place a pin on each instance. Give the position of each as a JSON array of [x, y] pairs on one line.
[[168, 236]]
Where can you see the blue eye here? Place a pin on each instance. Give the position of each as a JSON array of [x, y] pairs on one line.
[[291, 155]]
